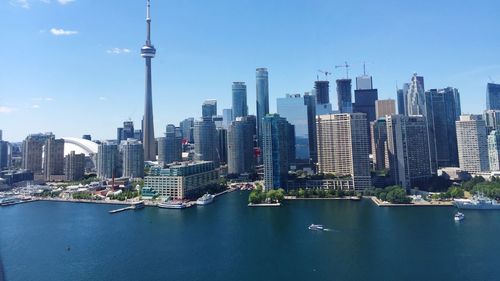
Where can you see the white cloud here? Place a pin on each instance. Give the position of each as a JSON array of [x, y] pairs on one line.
[[6, 109], [43, 99], [35, 106], [20, 3], [103, 98], [62, 32], [117, 51], [64, 2]]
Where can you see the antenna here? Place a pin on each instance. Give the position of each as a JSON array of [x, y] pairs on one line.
[[364, 68], [346, 65], [148, 21]]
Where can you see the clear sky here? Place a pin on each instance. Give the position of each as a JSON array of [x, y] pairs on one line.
[[73, 67]]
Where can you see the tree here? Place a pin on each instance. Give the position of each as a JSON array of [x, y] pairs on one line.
[[301, 193]]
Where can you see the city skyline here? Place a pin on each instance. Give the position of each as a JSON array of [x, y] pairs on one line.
[[100, 67]]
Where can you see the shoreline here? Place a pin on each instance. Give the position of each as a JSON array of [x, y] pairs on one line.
[[352, 198], [380, 203]]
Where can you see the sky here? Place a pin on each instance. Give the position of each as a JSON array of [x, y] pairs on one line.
[[73, 67]]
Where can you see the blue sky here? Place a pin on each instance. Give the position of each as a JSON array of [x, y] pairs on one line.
[[73, 67]]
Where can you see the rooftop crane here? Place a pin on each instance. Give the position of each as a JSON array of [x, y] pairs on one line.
[[346, 65], [326, 73]]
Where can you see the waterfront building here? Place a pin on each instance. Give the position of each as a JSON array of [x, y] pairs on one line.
[[262, 99], [148, 52], [74, 166], [343, 147], [32, 152], [209, 108], [322, 91], [493, 96], [378, 130], [472, 144], [239, 92], [344, 95], [408, 150], [181, 181], [206, 141], [170, 146], [107, 160], [187, 127], [133, 158], [222, 145], [295, 110], [227, 117], [240, 146], [310, 102], [276, 150], [384, 107], [494, 150], [53, 159]]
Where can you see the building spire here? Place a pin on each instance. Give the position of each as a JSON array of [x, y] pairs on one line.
[[148, 21]]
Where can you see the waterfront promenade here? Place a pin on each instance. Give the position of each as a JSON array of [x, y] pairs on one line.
[[422, 203]]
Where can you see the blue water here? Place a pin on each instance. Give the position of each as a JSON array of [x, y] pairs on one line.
[[229, 241]]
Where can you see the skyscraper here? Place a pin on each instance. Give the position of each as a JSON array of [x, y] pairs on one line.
[[206, 141], [262, 91], [107, 160], [187, 126], [408, 150], [344, 95], [401, 97], [53, 158], [240, 107], [4, 155], [33, 152], [494, 150], [365, 102], [364, 82], [74, 166], [384, 107], [227, 117], [276, 136], [310, 102], [209, 108], [133, 159], [240, 146], [170, 146], [294, 109], [322, 91], [493, 96], [492, 119], [378, 130], [415, 96], [343, 147], [472, 144], [148, 52]]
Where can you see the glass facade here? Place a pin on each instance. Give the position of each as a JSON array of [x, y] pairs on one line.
[[240, 107], [493, 96], [295, 110]]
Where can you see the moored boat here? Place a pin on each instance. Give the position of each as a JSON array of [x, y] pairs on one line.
[[205, 199], [172, 205], [477, 202]]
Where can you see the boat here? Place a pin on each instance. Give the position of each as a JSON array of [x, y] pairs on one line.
[[477, 202], [138, 205], [316, 227], [205, 199], [8, 202], [459, 216], [172, 205]]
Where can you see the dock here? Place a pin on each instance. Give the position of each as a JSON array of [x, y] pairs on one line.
[[121, 210], [133, 206]]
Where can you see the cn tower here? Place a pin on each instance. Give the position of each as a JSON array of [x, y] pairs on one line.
[[148, 52]]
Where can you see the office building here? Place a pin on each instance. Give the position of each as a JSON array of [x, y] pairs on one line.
[[170, 146], [472, 144], [240, 146], [240, 107], [384, 107], [493, 96], [187, 127], [227, 117], [276, 151], [87, 137], [53, 158], [295, 110], [262, 99], [494, 150], [206, 141], [364, 82], [401, 98], [5, 155], [365, 102], [344, 95], [181, 181], [415, 96], [222, 145], [1, 135], [209, 108], [107, 161], [492, 119], [74, 166], [310, 102], [378, 130], [322, 91], [133, 159], [408, 150], [343, 147], [32, 152]]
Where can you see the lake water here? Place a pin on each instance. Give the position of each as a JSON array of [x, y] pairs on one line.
[[229, 241]]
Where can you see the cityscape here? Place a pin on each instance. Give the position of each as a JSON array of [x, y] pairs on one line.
[[327, 163]]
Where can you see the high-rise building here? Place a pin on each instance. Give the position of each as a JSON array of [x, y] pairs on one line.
[[74, 166], [33, 152], [187, 126], [262, 91], [295, 110], [53, 158], [276, 151], [5, 156], [133, 158], [240, 145], [148, 52], [492, 119], [365, 103], [322, 91], [206, 140], [240, 107], [493, 96], [443, 109], [209, 108], [107, 160], [378, 130], [364, 82], [494, 150], [1, 135], [170, 146], [343, 147], [222, 145], [128, 130], [310, 102], [408, 150], [227, 117], [472, 144], [344, 95], [401, 97], [415, 96], [384, 107]]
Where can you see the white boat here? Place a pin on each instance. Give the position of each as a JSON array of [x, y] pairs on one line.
[[172, 205], [316, 227], [459, 216], [205, 199], [478, 202], [8, 201]]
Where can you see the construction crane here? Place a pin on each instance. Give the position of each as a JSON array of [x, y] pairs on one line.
[[326, 73], [346, 65]]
